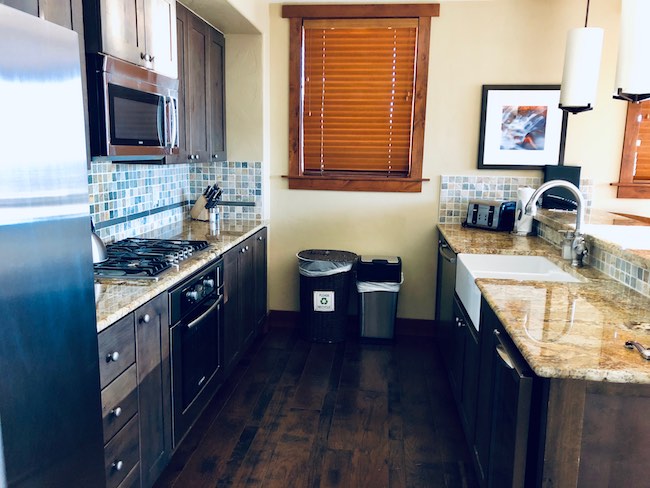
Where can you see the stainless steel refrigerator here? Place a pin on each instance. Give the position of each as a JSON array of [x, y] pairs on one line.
[[50, 405]]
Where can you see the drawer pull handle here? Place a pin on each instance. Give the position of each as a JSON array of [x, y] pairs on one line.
[[116, 412], [146, 319], [118, 465], [114, 356]]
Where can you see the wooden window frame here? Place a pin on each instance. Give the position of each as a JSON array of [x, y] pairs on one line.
[[296, 14], [627, 186]]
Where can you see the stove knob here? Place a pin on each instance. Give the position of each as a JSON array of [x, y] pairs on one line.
[[209, 283], [192, 295]]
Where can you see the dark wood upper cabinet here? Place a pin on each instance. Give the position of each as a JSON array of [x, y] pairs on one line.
[[201, 58], [217, 92], [142, 32]]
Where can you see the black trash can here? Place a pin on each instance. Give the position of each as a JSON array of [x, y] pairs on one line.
[[325, 277]]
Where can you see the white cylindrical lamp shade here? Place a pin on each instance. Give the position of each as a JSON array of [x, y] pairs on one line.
[[581, 69], [633, 68]]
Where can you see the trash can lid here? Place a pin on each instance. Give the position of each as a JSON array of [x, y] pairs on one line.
[[327, 255], [380, 259]]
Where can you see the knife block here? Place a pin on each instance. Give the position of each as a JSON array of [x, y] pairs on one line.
[[199, 212]]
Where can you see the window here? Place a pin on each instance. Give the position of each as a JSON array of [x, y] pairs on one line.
[[634, 180], [357, 96]]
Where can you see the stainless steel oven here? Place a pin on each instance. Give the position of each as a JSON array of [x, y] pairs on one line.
[[195, 308]]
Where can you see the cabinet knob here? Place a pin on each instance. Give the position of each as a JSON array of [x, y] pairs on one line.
[[260, 238], [118, 465], [247, 248], [146, 318], [215, 156], [143, 56], [114, 356], [116, 412], [151, 58]]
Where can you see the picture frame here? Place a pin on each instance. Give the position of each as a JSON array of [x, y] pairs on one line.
[[522, 127]]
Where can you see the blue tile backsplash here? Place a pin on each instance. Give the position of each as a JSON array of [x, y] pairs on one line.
[[129, 199]]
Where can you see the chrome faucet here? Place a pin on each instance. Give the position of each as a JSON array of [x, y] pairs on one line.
[[578, 246]]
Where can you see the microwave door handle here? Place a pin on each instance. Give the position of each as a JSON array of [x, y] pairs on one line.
[[173, 123]]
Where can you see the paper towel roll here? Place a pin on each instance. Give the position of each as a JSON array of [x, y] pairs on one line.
[[523, 222]]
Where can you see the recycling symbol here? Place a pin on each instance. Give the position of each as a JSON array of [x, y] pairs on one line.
[[324, 300]]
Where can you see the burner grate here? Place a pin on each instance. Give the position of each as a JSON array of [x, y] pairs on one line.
[[145, 258]]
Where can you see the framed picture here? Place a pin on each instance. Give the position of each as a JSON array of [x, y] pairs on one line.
[[521, 127]]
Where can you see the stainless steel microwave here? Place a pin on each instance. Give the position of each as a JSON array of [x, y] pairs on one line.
[[133, 112]]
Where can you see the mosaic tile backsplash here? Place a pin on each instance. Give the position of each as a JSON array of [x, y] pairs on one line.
[[129, 199], [457, 191]]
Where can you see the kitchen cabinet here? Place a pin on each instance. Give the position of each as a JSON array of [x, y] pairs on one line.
[[244, 295], [470, 370], [142, 32], [260, 276], [201, 92], [217, 95], [154, 407], [136, 395], [66, 13], [457, 339]]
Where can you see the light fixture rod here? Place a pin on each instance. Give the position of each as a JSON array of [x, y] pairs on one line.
[[587, 14]]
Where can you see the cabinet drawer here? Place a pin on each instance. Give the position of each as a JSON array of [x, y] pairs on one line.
[[119, 402], [122, 453], [116, 349], [132, 479]]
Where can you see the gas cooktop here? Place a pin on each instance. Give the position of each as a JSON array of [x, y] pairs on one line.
[[145, 258]]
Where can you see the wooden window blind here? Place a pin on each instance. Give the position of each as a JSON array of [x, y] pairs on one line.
[[642, 166], [634, 180], [358, 86]]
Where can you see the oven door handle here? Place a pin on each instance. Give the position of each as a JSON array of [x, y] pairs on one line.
[[206, 313]]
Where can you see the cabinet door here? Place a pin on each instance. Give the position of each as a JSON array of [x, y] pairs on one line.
[[152, 339], [469, 393], [483, 430], [260, 260], [160, 34], [182, 15], [123, 29], [457, 356], [230, 309], [247, 319], [216, 95], [196, 82]]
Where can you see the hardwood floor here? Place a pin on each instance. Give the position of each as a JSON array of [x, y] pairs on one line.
[[300, 414]]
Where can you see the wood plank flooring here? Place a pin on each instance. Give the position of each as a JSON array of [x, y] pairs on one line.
[[301, 414]]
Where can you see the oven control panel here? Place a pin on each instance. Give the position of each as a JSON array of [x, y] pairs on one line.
[[202, 286]]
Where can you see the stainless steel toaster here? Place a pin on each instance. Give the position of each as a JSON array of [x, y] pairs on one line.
[[491, 214]]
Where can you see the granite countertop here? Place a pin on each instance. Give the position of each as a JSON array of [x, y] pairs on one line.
[[563, 330], [116, 298]]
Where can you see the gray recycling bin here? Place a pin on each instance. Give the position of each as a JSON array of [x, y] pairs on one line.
[[325, 277], [378, 282]]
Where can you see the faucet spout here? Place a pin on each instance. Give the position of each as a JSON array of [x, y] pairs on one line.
[[579, 250]]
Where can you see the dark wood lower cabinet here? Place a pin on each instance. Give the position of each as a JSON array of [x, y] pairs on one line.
[[154, 399], [244, 295], [136, 395]]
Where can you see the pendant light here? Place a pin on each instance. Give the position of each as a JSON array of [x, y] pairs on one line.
[[633, 68], [581, 68]]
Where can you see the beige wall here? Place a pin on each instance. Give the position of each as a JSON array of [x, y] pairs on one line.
[[473, 43]]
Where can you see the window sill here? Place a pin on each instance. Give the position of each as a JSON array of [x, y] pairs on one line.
[[356, 183], [632, 190]]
